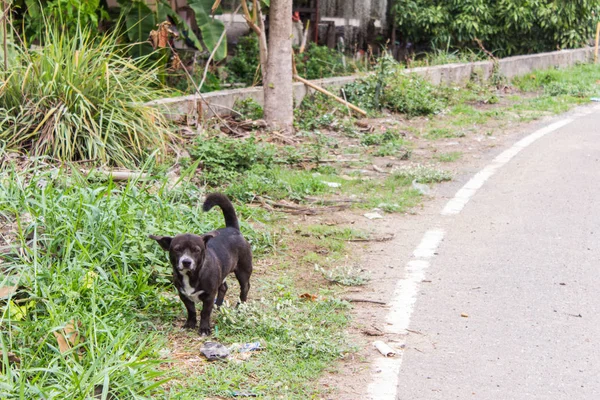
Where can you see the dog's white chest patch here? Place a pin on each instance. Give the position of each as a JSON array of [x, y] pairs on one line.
[[189, 291]]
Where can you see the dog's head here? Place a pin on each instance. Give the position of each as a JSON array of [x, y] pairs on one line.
[[186, 251]]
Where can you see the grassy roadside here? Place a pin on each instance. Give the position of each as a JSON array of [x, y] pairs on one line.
[[78, 250]]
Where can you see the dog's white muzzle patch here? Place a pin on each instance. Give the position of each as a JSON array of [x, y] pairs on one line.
[[186, 263]]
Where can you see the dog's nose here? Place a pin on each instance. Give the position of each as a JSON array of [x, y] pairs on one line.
[[186, 263]]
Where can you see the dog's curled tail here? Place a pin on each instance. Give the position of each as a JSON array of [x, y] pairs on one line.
[[218, 199]]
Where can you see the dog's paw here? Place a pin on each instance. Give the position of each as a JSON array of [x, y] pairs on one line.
[[189, 325], [205, 332]]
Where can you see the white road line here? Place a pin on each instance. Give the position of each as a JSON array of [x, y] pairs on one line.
[[385, 379], [429, 244], [462, 197], [383, 386]]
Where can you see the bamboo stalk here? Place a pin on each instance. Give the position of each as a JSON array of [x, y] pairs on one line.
[[328, 93], [597, 39]]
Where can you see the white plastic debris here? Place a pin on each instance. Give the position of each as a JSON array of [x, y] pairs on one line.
[[384, 349], [332, 184], [373, 215], [421, 188]]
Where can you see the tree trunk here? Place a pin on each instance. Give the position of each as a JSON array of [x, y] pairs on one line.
[[279, 105]]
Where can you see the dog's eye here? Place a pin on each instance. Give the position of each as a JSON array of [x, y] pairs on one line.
[[176, 248], [196, 249]]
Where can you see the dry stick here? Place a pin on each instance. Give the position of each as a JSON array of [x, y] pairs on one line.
[[597, 39], [328, 93], [304, 38], [212, 54], [346, 100], [264, 49], [202, 97], [215, 6], [364, 301], [5, 11], [252, 22]]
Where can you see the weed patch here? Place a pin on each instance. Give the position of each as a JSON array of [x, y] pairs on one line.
[[449, 157], [248, 109], [422, 174], [344, 275]]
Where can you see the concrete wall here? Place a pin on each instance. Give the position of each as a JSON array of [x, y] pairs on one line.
[[187, 108]]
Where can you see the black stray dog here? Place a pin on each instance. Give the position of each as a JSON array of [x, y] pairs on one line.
[[201, 263]]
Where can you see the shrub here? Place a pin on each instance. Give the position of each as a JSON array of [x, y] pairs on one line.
[[506, 27], [223, 158], [321, 62], [413, 95], [248, 109], [243, 67], [80, 99], [390, 88]]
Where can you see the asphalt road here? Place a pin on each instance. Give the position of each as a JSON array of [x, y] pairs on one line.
[[521, 263]]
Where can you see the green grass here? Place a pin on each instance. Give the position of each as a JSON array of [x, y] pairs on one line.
[[449, 157], [300, 339], [86, 257], [443, 133], [389, 143], [393, 194]]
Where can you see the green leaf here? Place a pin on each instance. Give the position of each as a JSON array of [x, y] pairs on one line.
[[210, 28], [139, 20]]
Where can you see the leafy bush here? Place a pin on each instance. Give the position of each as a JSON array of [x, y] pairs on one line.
[[413, 95], [506, 27], [390, 88], [81, 99], [243, 67], [249, 109], [317, 111], [69, 14], [223, 158], [321, 62], [276, 183]]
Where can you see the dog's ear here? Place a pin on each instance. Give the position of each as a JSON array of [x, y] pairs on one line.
[[207, 236], [163, 241]]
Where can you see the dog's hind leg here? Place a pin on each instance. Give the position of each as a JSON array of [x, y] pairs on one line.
[[221, 295], [243, 278]]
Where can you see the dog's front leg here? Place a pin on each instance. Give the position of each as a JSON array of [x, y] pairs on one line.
[[207, 306], [190, 306]]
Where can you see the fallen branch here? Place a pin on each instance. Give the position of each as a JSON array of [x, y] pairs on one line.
[[316, 200], [378, 239], [364, 301], [328, 93], [296, 209]]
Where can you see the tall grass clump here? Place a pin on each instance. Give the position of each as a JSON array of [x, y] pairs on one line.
[[81, 98]]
